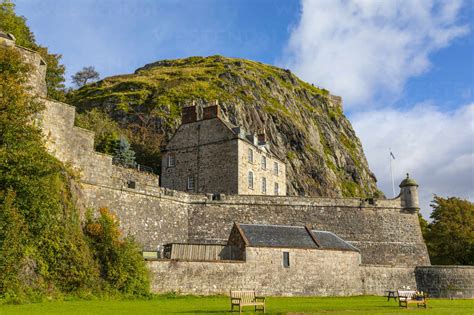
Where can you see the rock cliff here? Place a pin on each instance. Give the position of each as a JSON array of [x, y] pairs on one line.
[[305, 124]]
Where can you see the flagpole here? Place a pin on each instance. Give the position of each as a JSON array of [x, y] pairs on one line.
[[390, 155]]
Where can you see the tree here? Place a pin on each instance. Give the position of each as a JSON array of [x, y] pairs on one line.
[[424, 225], [86, 75], [107, 132], [124, 154], [16, 25], [450, 236]]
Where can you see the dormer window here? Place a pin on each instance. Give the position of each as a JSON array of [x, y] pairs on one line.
[[250, 157], [276, 168], [264, 162], [171, 160]]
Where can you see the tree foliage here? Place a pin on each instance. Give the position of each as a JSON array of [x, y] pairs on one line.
[[16, 25], [109, 138], [450, 236], [106, 131], [43, 249], [121, 265], [36, 200], [86, 75], [124, 155]]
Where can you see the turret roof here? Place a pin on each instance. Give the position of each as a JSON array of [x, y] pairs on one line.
[[408, 182]]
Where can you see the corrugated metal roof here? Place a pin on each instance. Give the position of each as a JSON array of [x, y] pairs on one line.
[[277, 236]]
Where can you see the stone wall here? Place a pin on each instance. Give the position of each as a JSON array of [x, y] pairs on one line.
[[145, 210], [446, 281], [336, 274], [376, 279], [74, 145], [36, 82], [384, 233]]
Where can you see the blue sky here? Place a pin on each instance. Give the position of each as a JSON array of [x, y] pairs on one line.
[[404, 68]]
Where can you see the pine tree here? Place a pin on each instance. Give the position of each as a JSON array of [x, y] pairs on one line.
[[124, 155]]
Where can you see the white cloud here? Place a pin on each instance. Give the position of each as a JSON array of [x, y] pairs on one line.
[[363, 48], [435, 147]]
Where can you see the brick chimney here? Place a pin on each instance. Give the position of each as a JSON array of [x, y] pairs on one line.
[[212, 111], [188, 115]]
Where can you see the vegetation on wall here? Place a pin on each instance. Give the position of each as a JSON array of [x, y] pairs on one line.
[[450, 236], [43, 249], [16, 25], [108, 137]]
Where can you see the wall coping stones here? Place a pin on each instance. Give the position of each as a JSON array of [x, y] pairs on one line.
[[445, 267]]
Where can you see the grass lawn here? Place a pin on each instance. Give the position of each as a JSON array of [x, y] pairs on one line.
[[220, 305]]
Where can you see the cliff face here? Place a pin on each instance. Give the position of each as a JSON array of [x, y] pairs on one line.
[[305, 125]]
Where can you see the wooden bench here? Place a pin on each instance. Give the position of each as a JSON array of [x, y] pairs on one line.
[[410, 297], [246, 298]]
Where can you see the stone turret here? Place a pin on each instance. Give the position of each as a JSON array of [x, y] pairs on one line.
[[409, 194]]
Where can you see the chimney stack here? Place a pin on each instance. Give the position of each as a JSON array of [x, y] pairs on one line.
[[212, 111], [189, 114]]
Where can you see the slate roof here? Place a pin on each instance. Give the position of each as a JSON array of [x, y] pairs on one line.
[[261, 235], [277, 236], [329, 240]]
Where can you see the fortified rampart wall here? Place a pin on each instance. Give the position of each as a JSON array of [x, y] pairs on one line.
[[383, 231], [446, 281]]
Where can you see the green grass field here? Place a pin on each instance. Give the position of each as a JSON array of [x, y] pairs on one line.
[[220, 305]]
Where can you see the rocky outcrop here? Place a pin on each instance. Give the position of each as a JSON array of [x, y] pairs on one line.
[[305, 124]]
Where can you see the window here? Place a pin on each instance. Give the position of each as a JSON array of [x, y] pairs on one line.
[[277, 189], [190, 184], [171, 160], [250, 180], [276, 168], [264, 185], [250, 156], [131, 184], [264, 162], [286, 259]]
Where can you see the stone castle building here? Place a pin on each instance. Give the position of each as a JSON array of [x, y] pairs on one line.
[[279, 245], [209, 155]]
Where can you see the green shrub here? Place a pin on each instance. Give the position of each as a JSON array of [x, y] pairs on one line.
[[122, 266]]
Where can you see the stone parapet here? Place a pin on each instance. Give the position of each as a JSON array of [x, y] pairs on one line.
[[446, 281], [376, 279]]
